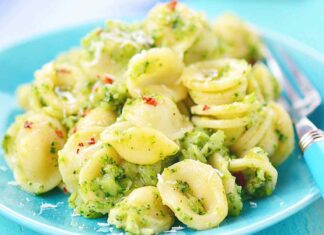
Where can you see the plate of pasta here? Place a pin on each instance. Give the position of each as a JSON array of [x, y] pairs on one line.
[[166, 125]]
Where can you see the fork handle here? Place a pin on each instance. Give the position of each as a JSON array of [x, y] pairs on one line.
[[312, 144]]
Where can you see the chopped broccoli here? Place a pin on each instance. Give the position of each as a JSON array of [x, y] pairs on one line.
[[201, 143]]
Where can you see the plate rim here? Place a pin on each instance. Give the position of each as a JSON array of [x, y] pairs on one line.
[[255, 227]]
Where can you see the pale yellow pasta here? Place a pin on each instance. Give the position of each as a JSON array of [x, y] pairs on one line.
[[156, 71], [205, 47], [272, 130], [285, 134], [254, 134], [142, 212], [79, 148], [163, 116], [234, 94], [198, 200], [99, 117], [138, 144], [23, 93], [59, 89], [100, 181], [238, 39], [32, 145], [232, 190], [175, 26], [234, 110], [232, 118], [215, 75], [110, 49], [220, 124], [259, 175], [263, 83]]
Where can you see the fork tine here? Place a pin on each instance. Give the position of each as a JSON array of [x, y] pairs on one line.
[[298, 75], [303, 106], [277, 72], [309, 92]]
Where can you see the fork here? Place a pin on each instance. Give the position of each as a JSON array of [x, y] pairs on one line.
[[311, 139]]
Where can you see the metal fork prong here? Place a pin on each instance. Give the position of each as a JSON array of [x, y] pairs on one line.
[[310, 93], [277, 72]]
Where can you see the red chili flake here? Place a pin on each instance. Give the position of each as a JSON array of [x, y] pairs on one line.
[[65, 190], [240, 179], [107, 80], [172, 5], [150, 101], [63, 70], [78, 150], [28, 124], [92, 141], [59, 133], [205, 108], [80, 144]]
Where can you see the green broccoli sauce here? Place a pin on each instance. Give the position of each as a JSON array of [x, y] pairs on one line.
[[195, 204], [113, 96], [87, 210], [201, 143], [258, 184], [70, 121], [281, 136], [234, 200], [53, 149]]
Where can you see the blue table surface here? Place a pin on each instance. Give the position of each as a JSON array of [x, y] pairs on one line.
[[299, 19]]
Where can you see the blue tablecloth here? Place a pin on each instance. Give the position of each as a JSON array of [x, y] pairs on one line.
[[300, 19]]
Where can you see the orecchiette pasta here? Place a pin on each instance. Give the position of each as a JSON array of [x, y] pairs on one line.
[[198, 200], [138, 144], [249, 123], [101, 184], [263, 83], [79, 148], [99, 117], [156, 71], [233, 191], [216, 82], [163, 115], [59, 89], [284, 131], [24, 94], [255, 173], [205, 47], [108, 50], [237, 39], [142, 212], [174, 26], [31, 149]]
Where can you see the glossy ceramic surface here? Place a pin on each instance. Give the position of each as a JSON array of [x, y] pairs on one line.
[[50, 214]]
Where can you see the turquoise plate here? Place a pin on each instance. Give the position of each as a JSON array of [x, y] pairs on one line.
[[50, 213]]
